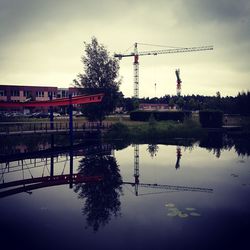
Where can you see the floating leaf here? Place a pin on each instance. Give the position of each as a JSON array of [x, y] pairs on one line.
[[173, 209], [190, 209], [169, 205], [172, 214], [195, 214], [182, 215]]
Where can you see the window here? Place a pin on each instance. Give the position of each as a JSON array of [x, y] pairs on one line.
[[65, 93], [27, 93], [2, 93], [53, 94], [14, 93], [39, 94]]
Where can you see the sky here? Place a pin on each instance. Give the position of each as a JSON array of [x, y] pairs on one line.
[[42, 42]]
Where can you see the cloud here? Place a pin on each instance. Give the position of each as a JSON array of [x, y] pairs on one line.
[[40, 39]]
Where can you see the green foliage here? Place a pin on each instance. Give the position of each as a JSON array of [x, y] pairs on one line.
[[243, 103], [118, 130], [160, 131], [159, 116], [100, 76], [211, 118], [151, 120]]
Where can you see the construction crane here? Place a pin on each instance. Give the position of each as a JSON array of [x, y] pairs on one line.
[[136, 55], [178, 86]]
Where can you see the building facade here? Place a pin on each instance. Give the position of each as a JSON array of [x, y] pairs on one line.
[[156, 106], [16, 93]]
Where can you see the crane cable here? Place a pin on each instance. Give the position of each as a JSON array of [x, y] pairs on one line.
[[162, 46]]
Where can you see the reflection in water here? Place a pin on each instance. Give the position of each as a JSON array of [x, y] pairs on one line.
[[213, 142], [102, 198], [178, 155], [152, 149]]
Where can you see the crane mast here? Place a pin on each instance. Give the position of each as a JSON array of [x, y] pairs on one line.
[[178, 86], [136, 72], [136, 55]]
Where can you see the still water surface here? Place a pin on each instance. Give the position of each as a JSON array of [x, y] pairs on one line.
[[150, 197]]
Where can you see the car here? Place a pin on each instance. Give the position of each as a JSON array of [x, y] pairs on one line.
[[78, 114], [39, 115], [55, 114]]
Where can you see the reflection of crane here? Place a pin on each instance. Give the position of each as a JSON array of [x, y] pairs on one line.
[[178, 155], [170, 188], [136, 167], [136, 55], [178, 86]]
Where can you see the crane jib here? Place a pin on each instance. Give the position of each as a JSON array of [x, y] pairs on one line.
[[167, 51], [136, 55]]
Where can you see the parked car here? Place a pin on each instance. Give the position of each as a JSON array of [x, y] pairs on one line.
[[78, 114], [39, 115], [55, 114]]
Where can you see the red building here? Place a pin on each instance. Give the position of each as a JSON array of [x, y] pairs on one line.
[[16, 93]]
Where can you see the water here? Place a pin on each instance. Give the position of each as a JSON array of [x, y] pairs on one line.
[[150, 197]]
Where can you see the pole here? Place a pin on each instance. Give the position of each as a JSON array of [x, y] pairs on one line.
[[71, 168], [52, 164], [71, 120], [51, 116]]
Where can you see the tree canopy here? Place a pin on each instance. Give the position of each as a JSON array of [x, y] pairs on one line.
[[100, 76]]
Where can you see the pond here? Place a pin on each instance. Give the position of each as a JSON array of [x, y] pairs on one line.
[[144, 196]]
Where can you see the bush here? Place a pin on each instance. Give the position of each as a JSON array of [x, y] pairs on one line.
[[211, 118], [159, 115], [118, 130]]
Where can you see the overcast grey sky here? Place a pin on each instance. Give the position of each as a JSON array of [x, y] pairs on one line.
[[41, 42]]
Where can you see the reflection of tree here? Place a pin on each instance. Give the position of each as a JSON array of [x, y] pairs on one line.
[[152, 149], [102, 198], [213, 142]]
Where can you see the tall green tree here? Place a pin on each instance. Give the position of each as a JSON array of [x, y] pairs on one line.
[[100, 76]]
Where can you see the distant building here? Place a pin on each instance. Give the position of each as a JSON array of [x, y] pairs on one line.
[[13, 93], [154, 106], [16, 93]]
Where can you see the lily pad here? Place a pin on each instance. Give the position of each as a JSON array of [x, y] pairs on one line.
[[169, 205], [173, 209], [182, 215], [195, 214], [172, 214], [190, 209]]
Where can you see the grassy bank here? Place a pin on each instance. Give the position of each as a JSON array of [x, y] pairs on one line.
[[155, 130]]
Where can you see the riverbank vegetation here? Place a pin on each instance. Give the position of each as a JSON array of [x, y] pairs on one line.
[[153, 130]]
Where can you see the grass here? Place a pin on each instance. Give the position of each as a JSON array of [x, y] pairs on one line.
[[155, 130]]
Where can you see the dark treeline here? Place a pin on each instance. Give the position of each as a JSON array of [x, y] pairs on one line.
[[229, 105]]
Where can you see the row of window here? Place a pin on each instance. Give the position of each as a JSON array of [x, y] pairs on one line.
[[27, 93], [38, 93]]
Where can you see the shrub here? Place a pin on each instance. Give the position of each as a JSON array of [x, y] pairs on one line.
[[211, 118], [118, 130], [159, 115]]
